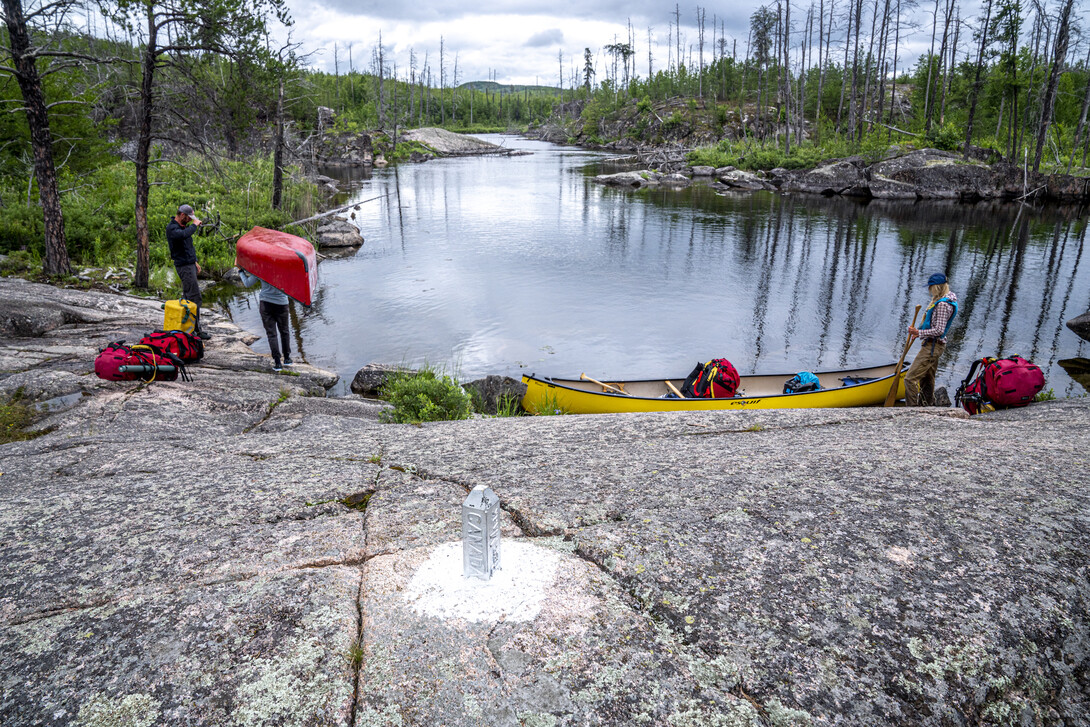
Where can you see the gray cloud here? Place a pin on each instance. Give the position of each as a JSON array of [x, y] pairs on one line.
[[553, 36], [641, 12]]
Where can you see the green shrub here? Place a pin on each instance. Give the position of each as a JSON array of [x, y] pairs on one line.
[[947, 137], [643, 105], [20, 261], [424, 396], [672, 121]]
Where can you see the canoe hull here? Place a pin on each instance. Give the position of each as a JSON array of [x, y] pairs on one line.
[[577, 397], [283, 261]]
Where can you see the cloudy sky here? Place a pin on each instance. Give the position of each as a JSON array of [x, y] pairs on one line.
[[518, 40]]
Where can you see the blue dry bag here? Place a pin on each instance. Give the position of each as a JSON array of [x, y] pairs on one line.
[[801, 382]]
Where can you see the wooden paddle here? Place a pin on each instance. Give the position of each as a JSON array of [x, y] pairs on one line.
[[673, 388], [892, 395], [605, 387]]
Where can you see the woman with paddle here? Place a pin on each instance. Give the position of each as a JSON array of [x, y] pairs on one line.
[[939, 316]]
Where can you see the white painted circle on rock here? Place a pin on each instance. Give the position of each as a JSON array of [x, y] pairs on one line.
[[514, 593]]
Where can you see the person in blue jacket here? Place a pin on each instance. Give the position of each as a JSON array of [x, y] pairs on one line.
[[273, 306], [920, 379]]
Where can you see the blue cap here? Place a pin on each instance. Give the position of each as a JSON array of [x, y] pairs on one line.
[[936, 279]]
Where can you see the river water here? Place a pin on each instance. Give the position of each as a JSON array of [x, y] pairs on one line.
[[511, 265]]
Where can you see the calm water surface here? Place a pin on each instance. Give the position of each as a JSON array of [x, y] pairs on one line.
[[522, 264]]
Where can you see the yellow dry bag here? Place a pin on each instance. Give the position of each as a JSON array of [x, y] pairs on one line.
[[181, 315]]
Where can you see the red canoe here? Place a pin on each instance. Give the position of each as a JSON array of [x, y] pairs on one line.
[[283, 261]]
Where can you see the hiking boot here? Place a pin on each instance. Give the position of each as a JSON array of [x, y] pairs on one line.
[[276, 368], [288, 361], [203, 335]]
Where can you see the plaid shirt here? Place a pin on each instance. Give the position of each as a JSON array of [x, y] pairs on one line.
[[939, 318]]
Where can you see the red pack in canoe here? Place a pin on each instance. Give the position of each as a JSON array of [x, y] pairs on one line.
[[283, 261]]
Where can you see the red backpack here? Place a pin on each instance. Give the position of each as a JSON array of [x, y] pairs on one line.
[[1001, 383], [716, 379], [118, 362], [186, 346]]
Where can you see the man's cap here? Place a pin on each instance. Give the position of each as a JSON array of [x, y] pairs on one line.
[[936, 279], [187, 210]]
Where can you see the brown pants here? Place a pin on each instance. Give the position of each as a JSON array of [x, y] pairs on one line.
[[920, 379]]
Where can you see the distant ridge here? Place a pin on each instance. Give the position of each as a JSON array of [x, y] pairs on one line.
[[505, 88]]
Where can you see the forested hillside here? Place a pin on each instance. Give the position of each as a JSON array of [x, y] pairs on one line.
[[115, 119]]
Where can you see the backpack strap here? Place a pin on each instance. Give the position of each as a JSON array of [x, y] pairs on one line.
[[967, 380]]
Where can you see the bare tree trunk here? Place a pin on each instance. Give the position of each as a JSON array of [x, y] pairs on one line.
[[852, 107], [865, 101], [700, 15], [807, 49], [1029, 81], [742, 91], [844, 69], [1021, 131], [278, 150], [143, 155], [41, 139], [930, 66], [893, 90], [786, 73], [821, 62], [1058, 60], [948, 74], [975, 90], [882, 48]]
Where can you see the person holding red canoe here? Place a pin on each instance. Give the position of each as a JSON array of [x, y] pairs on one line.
[[273, 307]]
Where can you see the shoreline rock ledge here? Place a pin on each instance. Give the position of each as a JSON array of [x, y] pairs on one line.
[[1080, 326], [930, 174], [240, 549]]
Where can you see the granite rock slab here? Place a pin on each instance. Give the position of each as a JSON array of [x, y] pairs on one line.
[[240, 549]]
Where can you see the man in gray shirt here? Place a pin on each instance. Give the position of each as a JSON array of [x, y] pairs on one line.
[[180, 240]]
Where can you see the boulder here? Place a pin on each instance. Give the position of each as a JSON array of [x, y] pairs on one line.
[[724, 170], [492, 392], [232, 276], [1081, 326], [931, 174], [372, 377], [703, 171], [778, 176], [31, 321], [339, 232], [942, 397], [836, 176], [676, 179], [627, 179], [380, 161], [1065, 188], [738, 179], [418, 157]]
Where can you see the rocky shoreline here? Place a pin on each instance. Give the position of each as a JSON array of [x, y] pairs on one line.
[[923, 174], [239, 549]]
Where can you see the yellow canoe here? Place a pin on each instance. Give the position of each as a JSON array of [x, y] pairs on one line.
[[582, 396]]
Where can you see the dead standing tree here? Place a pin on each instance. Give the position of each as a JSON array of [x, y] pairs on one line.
[[1058, 59]]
